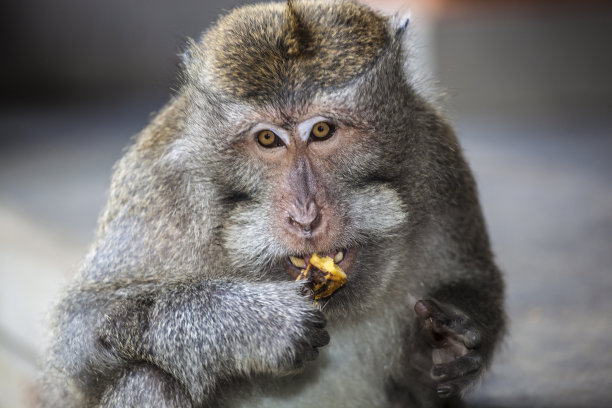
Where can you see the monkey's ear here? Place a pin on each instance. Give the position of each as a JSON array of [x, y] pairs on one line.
[[400, 21], [191, 60], [185, 57]]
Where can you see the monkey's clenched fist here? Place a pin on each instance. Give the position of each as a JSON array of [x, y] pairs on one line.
[[299, 133]]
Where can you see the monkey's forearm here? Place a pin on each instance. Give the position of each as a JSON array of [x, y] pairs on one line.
[[201, 331]]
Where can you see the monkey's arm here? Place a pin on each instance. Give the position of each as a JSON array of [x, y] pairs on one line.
[[196, 331]]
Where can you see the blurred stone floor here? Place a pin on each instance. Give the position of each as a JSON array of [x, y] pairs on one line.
[[546, 189]]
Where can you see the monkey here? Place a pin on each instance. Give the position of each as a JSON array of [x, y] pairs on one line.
[[297, 129]]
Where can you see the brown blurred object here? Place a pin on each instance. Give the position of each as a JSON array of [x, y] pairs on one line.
[[459, 7]]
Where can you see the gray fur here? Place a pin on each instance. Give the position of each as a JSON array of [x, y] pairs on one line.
[[183, 299]]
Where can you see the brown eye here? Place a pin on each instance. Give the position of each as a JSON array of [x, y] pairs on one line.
[[267, 138], [322, 131]]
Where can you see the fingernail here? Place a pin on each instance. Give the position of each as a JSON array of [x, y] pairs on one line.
[[445, 391], [473, 340]]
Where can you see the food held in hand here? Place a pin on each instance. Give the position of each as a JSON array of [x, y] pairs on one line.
[[326, 277]]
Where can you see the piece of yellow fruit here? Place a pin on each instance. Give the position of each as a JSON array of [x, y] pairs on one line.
[[333, 279]]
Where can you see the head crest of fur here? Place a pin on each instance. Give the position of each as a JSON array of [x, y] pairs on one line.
[[297, 37], [270, 52]]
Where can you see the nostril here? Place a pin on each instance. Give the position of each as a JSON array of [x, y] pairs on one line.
[[306, 220], [305, 225], [298, 225]]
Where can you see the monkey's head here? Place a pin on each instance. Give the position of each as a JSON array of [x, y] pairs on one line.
[[300, 133]]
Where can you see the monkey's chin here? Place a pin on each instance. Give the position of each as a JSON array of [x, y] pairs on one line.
[[344, 258]]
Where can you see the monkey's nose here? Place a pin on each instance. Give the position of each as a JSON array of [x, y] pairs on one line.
[[304, 219]]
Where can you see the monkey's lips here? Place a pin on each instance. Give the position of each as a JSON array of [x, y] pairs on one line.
[[343, 258]]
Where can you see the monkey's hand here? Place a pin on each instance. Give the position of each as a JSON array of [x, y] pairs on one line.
[[458, 358], [202, 332]]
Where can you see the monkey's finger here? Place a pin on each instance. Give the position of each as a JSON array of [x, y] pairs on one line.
[[311, 354], [447, 391], [318, 319], [461, 331], [436, 321], [449, 348], [428, 309], [432, 337], [445, 348], [454, 327], [453, 388], [460, 367], [320, 338]]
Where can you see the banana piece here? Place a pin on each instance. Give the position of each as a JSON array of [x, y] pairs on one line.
[[326, 276]]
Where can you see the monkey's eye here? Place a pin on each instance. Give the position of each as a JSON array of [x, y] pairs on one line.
[[268, 138], [322, 131]]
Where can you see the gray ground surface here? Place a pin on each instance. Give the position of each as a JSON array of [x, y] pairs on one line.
[[547, 195], [546, 191]]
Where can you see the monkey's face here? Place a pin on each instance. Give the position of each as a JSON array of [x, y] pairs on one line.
[[306, 213], [314, 180]]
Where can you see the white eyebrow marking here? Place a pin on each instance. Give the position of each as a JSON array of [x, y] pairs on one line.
[[305, 127], [278, 131]]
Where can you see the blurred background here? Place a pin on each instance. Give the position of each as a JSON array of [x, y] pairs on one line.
[[528, 85]]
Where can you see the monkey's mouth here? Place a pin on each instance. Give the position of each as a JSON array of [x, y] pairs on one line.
[[343, 258]]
